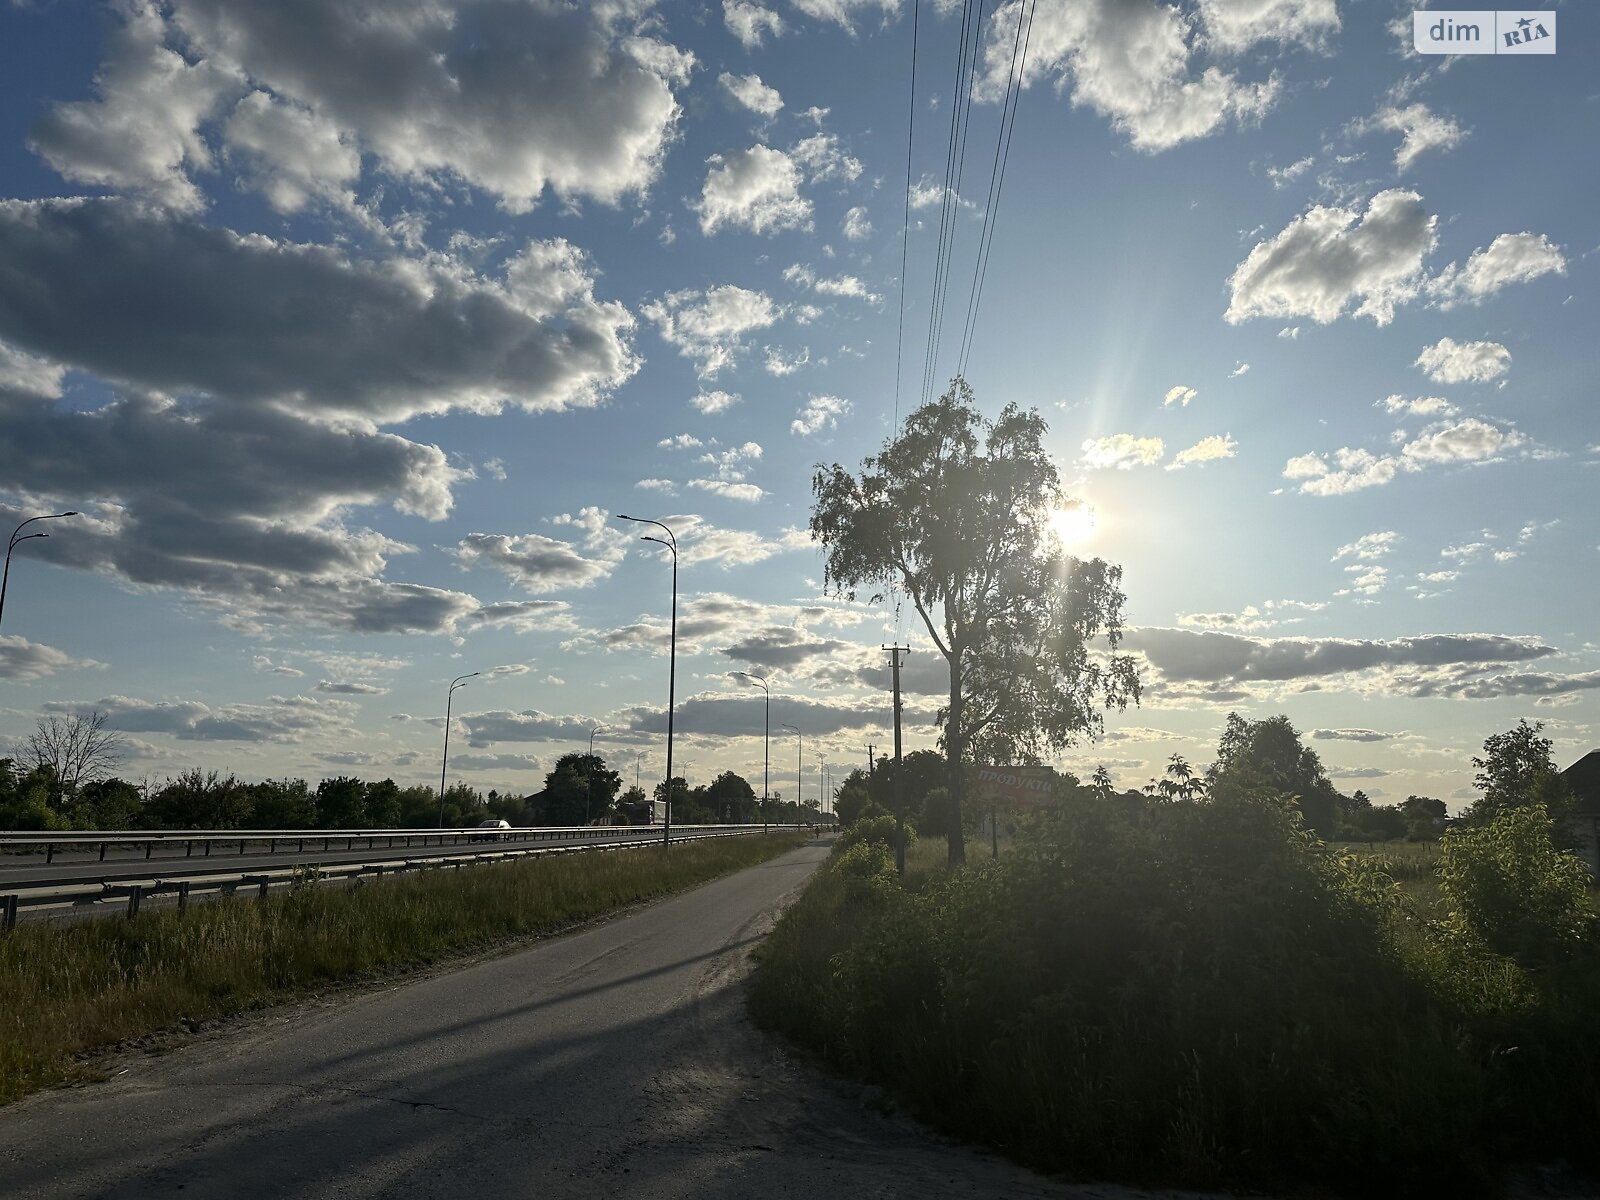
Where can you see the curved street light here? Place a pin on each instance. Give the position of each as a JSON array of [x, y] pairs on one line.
[[588, 799], [799, 767], [766, 742], [458, 682], [17, 537], [671, 543]]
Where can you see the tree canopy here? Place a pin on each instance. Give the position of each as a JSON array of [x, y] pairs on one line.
[[1268, 754], [1517, 771], [956, 513], [578, 789], [731, 798], [76, 749]]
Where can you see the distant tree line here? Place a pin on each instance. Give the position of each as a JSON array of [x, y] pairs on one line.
[[729, 799], [1515, 771], [64, 776], [36, 798]]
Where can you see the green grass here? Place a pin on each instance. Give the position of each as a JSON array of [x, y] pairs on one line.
[[1404, 861], [69, 991], [927, 859]]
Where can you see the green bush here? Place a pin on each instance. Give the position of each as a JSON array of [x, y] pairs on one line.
[[1197, 993], [874, 828], [1511, 890]]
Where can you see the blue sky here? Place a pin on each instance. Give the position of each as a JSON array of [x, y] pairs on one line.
[[351, 336]]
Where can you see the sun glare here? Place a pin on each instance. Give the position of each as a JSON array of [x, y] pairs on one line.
[[1073, 525]]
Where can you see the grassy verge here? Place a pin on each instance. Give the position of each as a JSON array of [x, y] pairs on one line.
[[68, 991], [1198, 995]]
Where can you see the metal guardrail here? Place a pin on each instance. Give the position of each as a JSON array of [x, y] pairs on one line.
[[272, 839], [62, 893]]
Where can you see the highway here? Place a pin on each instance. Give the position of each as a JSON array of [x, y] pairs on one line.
[[128, 863], [616, 1061]]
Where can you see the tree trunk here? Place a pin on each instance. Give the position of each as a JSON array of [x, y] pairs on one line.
[[955, 838]]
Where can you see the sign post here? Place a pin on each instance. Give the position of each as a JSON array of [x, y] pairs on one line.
[[1014, 787]]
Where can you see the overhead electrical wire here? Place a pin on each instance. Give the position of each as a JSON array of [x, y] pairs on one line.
[[997, 172], [950, 199], [905, 227], [905, 240]]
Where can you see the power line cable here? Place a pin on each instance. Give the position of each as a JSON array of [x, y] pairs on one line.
[[997, 175], [955, 162], [905, 239], [905, 227]]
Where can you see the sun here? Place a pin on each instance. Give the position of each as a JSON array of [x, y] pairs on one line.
[[1074, 524]]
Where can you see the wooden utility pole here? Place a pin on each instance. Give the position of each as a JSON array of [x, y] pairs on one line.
[[899, 774]]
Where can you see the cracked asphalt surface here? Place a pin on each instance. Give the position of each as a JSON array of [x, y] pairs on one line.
[[617, 1061]]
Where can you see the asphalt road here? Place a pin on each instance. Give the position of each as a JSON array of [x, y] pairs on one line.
[[617, 1061]]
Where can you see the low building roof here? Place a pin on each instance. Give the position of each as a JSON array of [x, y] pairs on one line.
[[1583, 777]]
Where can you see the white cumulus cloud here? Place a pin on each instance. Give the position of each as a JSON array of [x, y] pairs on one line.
[[1121, 451], [1450, 361], [756, 189], [1330, 258], [751, 23], [1131, 62], [708, 326], [1207, 449], [749, 91], [819, 413], [1510, 258]]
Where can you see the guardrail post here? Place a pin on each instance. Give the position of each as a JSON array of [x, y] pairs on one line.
[[188, 848], [148, 847], [183, 895], [135, 895], [49, 853], [102, 852], [8, 912], [208, 847]]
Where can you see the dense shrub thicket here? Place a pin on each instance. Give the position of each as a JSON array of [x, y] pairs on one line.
[[1202, 993]]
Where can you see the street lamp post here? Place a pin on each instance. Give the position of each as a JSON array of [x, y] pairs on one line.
[[17, 536], [799, 768], [671, 543], [766, 744], [444, 765], [588, 804], [822, 783]]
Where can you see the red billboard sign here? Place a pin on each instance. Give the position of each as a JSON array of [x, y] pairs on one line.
[[1021, 787]]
